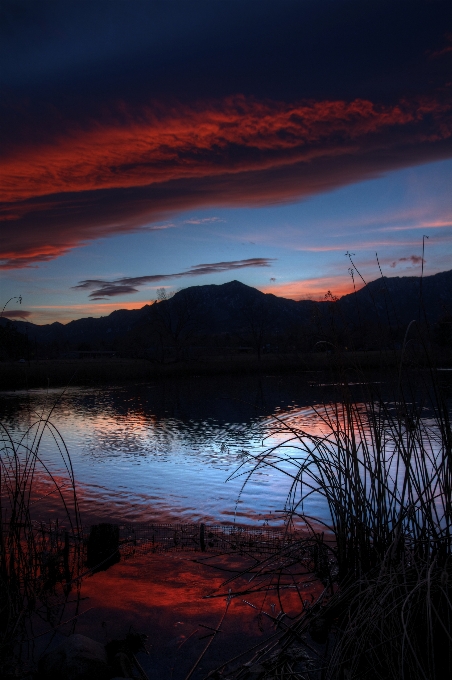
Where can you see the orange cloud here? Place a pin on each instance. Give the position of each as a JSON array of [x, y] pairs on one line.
[[311, 289], [431, 224]]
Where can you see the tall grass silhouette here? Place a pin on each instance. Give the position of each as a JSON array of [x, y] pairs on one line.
[[39, 563]]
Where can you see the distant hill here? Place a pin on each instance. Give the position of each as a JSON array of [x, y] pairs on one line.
[[399, 297], [235, 309], [90, 329]]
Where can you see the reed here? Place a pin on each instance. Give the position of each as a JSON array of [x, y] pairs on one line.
[[39, 564]]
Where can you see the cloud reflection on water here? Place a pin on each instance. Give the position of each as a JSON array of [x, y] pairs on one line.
[[142, 455]]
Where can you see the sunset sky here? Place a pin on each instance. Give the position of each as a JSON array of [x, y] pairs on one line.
[[149, 144]]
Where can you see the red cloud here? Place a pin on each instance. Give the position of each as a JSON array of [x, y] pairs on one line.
[[195, 143], [139, 167]]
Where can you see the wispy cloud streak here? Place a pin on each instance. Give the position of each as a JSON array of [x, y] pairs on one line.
[[16, 314], [101, 290]]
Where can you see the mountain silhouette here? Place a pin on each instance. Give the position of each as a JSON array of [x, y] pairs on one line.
[[232, 309]]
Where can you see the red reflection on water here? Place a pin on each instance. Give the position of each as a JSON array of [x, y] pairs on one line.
[[164, 596]]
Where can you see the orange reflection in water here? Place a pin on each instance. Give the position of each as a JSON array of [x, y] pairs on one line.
[[164, 596]]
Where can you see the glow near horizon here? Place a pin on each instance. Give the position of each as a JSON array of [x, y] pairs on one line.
[[308, 238]]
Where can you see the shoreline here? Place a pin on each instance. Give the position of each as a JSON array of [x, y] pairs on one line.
[[50, 373]]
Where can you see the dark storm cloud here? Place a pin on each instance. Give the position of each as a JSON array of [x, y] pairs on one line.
[[118, 114], [105, 289]]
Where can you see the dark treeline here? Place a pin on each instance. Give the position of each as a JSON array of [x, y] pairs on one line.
[[233, 318]]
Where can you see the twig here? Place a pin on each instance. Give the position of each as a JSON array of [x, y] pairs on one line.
[[217, 630]]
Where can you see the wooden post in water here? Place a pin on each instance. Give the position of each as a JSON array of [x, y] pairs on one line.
[[67, 571]]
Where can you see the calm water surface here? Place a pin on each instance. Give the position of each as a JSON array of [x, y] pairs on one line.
[[164, 451]]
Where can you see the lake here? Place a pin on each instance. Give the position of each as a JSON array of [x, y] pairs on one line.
[[180, 450], [164, 451]]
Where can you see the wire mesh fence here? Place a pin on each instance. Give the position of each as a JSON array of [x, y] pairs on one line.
[[102, 545], [156, 538]]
